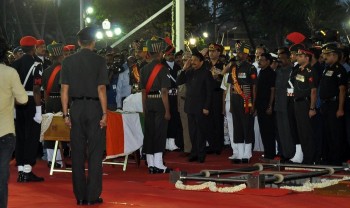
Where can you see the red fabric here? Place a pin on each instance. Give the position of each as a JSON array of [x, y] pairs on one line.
[[52, 78], [295, 37], [37, 81], [40, 42], [114, 134], [28, 41], [153, 75]]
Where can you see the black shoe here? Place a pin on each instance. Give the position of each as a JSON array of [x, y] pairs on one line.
[[81, 202], [245, 160], [166, 170], [192, 158], [151, 170], [237, 161], [57, 165], [20, 176], [30, 177], [97, 201]]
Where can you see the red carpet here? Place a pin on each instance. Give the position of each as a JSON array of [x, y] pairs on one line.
[[136, 188]]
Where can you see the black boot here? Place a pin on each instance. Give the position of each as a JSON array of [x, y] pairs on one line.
[[30, 177]]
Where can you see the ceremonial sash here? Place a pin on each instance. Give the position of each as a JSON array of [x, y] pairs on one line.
[[153, 75], [136, 74], [52, 78], [239, 91]]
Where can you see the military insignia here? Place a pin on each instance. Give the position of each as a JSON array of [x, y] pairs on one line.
[[329, 73], [242, 75], [311, 79], [290, 90], [308, 70], [253, 76], [300, 78]]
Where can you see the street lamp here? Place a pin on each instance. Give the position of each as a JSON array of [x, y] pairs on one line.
[[205, 35], [106, 24], [89, 10], [117, 31], [109, 33], [193, 41], [99, 35]]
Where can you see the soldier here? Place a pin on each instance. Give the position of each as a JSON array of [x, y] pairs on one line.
[[28, 117], [174, 126], [88, 115], [243, 82], [41, 54], [52, 94], [154, 83], [265, 95], [216, 139], [332, 93], [305, 92], [199, 89], [142, 56]]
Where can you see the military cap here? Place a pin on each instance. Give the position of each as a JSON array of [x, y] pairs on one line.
[[169, 50], [242, 47], [330, 48], [40, 42], [18, 49], [27, 41], [215, 46], [87, 34], [304, 51], [155, 45], [55, 49], [294, 48]]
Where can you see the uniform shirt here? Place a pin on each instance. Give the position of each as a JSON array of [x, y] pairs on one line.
[[123, 86], [266, 81], [332, 77], [246, 74], [27, 66], [45, 61], [305, 80], [161, 81], [219, 66], [199, 89], [84, 71], [52, 105], [281, 85], [10, 89], [173, 72]]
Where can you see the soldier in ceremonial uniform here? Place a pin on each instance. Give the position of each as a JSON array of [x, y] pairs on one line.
[[332, 93], [216, 139], [52, 94], [199, 89], [83, 80], [28, 117], [174, 135], [154, 83], [305, 90], [243, 82], [141, 55]]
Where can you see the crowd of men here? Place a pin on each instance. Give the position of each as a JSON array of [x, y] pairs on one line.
[[299, 94]]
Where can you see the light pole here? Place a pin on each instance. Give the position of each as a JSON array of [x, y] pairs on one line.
[[107, 31]]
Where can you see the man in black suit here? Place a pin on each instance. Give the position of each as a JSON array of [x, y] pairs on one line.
[[83, 80], [199, 83]]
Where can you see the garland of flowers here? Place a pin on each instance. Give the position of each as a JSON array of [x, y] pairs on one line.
[[308, 186], [211, 186]]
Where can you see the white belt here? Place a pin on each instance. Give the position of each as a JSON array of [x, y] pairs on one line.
[[30, 93]]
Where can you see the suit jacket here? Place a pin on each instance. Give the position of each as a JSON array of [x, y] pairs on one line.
[[199, 85]]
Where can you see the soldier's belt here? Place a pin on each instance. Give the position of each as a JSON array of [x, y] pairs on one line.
[[85, 98], [154, 96]]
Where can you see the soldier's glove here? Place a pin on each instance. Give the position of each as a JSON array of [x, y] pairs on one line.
[[37, 117]]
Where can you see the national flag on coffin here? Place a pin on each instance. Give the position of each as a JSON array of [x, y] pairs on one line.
[[123, 134]]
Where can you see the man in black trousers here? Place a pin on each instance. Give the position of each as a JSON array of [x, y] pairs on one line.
[[83, 80], [199, 83], [264, 99]]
